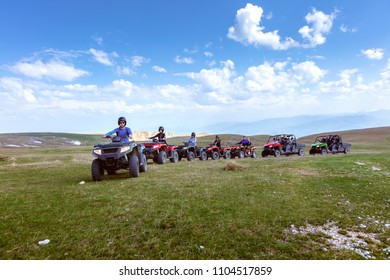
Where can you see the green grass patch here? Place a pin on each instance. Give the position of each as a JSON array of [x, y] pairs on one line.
[[172, 210]]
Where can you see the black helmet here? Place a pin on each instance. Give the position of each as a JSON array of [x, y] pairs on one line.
[[122, 119], [216, 136], [161, 128], [193, 134]]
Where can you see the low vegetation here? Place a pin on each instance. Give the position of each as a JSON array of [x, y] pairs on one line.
[[265, 208]]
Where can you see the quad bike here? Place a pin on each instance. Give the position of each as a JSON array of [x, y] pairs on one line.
[[160, 152], [191, 151], [329, 144], [283, 144], [117, 155], [215, 153], [242, 151]]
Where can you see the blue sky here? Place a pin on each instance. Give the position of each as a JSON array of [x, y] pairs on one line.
[[76, 66]]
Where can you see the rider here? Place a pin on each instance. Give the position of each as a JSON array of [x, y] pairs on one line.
[[160, 135], [245, 143], [122, 131], [192, 140], [217, 141]]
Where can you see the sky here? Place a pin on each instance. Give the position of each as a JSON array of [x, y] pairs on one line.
[[76, 66]]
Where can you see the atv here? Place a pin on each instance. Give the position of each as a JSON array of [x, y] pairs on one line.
[[191, 151], [117, 155], [215, 153], [160, 152], [331, 143], [283, 144], [242, 151]]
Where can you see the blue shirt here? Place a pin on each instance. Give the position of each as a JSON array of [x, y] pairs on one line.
[[122, 133], [192, 140]]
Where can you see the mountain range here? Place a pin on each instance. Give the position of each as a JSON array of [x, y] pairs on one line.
[[303, 125]]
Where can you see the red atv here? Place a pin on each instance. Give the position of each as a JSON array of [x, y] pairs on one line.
[[242, 151], [160, 152], [215, 153]]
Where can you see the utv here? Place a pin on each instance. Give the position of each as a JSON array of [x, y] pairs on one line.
[[331, 143], [160, 152], [117, 155], [283, 144], [191, 151]]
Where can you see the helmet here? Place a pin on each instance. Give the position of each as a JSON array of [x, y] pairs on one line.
[[216, 136], [193, 134], [122, 119], [161, 128]]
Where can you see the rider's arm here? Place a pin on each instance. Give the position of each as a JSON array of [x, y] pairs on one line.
[[109, 133]]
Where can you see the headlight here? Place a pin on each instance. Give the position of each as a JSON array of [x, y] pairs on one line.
[[124, 149], [97, 152]]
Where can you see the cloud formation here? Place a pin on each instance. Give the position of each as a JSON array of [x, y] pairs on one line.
[[373, 53], [54, 69], [319, 24], [248, 30], [101, 57]]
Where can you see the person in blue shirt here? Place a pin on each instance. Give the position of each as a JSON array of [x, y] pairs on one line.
[[122, 131], [192, 140]]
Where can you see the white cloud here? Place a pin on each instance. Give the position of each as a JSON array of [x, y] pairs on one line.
[[53, 69], [159, 69], [386, 72], [343, 28], [15, 88], [308, 71], [137, 60], [184, 60], [208, 54], [320, 25], [248, 31], [101, 57], [373, 53], [125, 71], [97, 39]]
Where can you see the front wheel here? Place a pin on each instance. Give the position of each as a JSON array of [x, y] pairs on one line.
[[301, 152], [241, 154], [133, 165], [97, 170], [175, 157], [203, 155], [161, 157], [144, 166], [190, 156], [215, 155], [227, 155], [346, 150], [254, 154]]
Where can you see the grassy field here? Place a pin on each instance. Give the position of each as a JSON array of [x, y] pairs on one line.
[[311, 207]]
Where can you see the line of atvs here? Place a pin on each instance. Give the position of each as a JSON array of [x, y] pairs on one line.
[[133, 157]]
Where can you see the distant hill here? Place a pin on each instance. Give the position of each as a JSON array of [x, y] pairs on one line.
[[31, 140], [304, 125]]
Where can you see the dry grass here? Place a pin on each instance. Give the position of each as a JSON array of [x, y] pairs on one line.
[[233, 166]]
